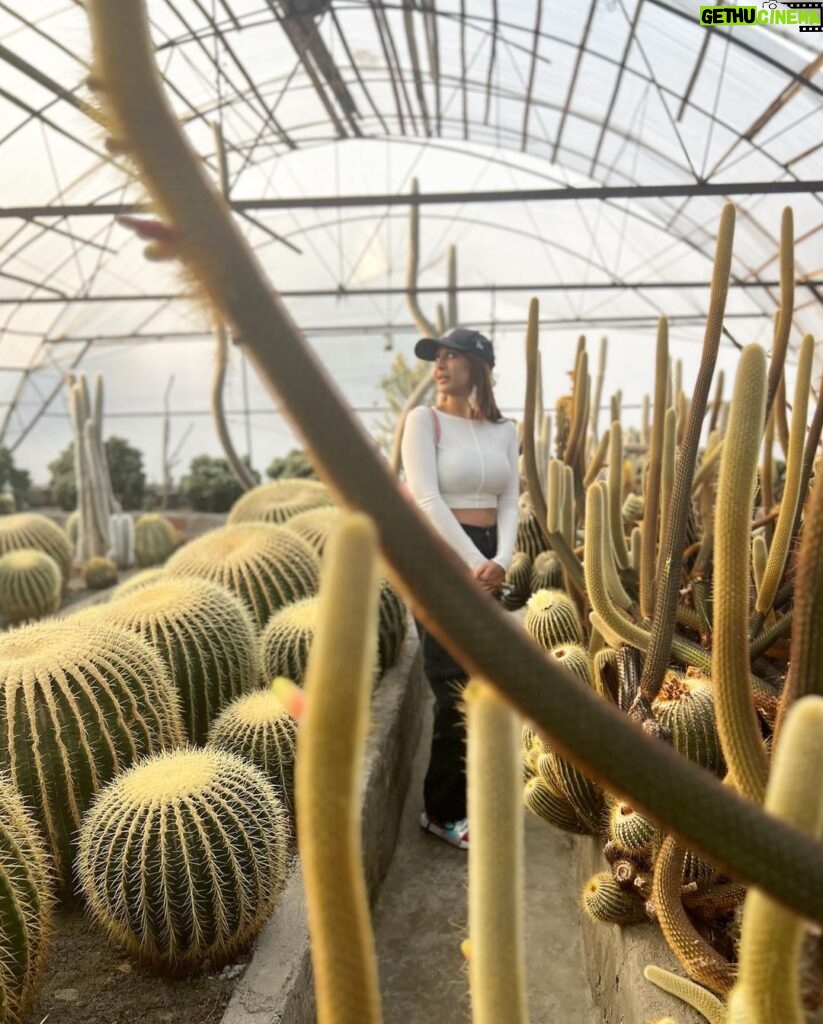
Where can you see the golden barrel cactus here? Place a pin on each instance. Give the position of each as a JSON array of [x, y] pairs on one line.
[[552, 619], [79, 703], [205, 636], [154, 539], [27, 902], [182, 858], [30, 584], [392, 625], [31, 530], [99, 572], [314, 525], [142, 578], [278, 501], [266, 566], [286, 642], [258, 726], [603, 900]]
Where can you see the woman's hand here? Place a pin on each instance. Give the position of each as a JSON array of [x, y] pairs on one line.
[[490, 575]]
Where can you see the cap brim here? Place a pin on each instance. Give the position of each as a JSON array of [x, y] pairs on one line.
[[426, 349]]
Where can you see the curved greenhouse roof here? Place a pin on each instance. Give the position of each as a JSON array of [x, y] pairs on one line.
[[577, 152]]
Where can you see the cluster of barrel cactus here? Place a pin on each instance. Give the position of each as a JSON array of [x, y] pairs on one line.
[[673, 591]]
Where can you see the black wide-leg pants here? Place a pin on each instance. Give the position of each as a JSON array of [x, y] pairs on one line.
[[444, 788]]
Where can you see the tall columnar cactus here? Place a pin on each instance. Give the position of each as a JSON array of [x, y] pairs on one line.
[[182, 858], [739, 835], [314, 525], [30, 584], [698, 957], [497, 973], [155, 538], [31, 530], [206, 638], [333, 732], [771, 938], [259, 727], [103, 528], [552, 618], [278, 501], [736, 718], [27, 918], [266, 566], [80, 703], [779, 550]]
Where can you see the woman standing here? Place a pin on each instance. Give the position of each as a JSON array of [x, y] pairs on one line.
[[461, 468]]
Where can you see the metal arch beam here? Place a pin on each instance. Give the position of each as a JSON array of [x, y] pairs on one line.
[[532, 195], [347, 293], [379, 329]]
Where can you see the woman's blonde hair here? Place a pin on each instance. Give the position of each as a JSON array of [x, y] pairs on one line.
[[484, 405]]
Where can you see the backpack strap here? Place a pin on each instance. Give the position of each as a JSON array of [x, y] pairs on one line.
[[436, 427]]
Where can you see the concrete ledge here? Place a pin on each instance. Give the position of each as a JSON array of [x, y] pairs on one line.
[[615, 958], [277, 986]]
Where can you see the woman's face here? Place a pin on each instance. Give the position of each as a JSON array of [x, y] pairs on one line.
[[452, 372]]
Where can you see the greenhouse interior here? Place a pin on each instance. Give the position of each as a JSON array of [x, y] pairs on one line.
[[411, 512]]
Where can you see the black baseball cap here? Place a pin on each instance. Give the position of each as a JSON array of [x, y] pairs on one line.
[[462, 339]]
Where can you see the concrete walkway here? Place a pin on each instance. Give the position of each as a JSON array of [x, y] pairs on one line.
[[420, 921]]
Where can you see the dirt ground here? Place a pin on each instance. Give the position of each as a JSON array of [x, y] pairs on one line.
[[89, 981]]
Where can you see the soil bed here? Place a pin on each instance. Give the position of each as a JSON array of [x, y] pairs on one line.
[[88, 980]]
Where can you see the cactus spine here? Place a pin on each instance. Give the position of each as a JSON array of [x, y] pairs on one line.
[[25, 890], [182, 858], [258, 726], [30, 584], [736, 718], [154, 540], [266, 566], [496, 860], [333, 731], [206, 638], [81, 704]]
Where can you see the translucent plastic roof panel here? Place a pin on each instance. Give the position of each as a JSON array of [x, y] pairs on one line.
[[328, 99]]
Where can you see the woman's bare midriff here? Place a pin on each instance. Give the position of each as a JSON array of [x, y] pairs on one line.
[[476, 516]]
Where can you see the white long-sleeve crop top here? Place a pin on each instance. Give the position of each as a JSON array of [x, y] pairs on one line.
[[473, 465]]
